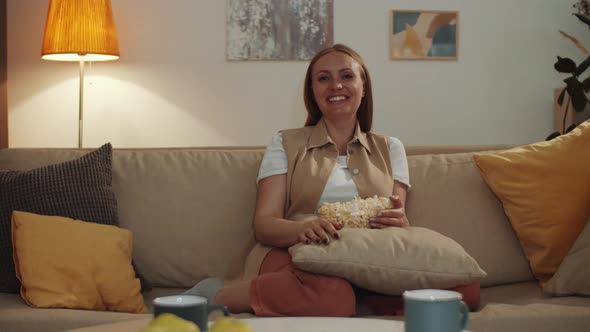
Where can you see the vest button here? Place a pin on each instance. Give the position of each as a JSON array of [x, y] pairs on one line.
[[355, 171], [350, 151]]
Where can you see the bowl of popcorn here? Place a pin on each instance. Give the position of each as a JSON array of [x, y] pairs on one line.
[[356, 212]]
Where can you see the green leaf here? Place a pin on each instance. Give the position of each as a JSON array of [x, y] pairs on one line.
[[565, 65], [572, 84], [578, 99], [553, 135], [571, 127], [583, 18], [582, 67]]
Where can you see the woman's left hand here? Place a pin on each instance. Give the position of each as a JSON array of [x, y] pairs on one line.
[[394, 217]]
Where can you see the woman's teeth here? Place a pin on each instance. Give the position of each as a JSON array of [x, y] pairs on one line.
[[337, 98]]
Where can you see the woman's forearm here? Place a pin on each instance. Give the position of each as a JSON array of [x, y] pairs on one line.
[[276, 232]]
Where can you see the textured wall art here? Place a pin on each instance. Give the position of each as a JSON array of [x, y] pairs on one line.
[[278, 30], [423, 34]]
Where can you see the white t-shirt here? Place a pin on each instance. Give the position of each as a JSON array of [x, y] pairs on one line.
[[340, 186]]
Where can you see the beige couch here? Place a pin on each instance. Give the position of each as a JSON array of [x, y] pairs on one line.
[[190, 211]]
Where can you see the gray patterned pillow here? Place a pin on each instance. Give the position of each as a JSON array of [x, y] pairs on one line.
[[78, 189]]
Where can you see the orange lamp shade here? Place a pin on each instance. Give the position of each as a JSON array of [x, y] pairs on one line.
[[78, 29]]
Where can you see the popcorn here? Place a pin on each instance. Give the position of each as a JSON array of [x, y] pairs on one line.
[[354, 213]]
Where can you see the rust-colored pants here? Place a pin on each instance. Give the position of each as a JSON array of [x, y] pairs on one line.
[[283, 290]]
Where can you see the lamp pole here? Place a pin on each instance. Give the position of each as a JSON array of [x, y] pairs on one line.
[[81, 104]]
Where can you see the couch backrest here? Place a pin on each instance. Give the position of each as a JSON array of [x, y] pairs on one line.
[[190, 209], [449, 196]]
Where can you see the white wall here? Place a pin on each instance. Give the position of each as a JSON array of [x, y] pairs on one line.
[[173, 87]]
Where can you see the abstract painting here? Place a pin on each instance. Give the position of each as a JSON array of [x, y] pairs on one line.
[[424, 34], [278, 30]]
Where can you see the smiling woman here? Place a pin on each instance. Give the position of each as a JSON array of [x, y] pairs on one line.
[[334, 158]]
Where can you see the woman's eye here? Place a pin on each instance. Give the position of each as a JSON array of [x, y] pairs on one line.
[[348, 76], [323, 78]]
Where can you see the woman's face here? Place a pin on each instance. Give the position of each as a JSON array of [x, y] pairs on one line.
[[337, 85]]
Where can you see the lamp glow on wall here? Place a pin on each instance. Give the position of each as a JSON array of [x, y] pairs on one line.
[[80, 30]]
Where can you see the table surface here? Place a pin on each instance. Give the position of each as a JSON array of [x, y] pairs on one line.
[[284, 324]]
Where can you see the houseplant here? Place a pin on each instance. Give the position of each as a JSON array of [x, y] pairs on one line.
[[574, 93]]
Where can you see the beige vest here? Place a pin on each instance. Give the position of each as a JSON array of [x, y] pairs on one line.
[[311, 156]]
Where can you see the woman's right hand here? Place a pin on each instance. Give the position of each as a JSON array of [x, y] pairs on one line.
[[318, 231]]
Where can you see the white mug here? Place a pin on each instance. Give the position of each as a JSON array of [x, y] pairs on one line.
[[189, 307]]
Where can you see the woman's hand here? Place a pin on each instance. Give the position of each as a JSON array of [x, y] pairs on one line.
[[394, 217], [318, 231]]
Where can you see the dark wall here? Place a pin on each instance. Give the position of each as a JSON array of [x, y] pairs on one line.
[[3, 78]]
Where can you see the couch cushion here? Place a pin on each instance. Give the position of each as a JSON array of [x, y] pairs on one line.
[[524, 307], [510, 308], [67, 263], [449, 196], [190, 210], [414, 257], [545, 190], [532, 317], [79, 189], [573, 274], [17, 316]]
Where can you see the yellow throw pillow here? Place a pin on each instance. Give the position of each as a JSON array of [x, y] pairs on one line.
[[545, 190], [64, 263]]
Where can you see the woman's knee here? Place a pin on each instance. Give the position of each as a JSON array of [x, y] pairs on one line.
[[331, 297], [309, 294]]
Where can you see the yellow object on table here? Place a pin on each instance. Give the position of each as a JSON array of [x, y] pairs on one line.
[[171, 323]]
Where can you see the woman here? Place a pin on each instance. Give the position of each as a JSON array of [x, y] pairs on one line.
[[334, 157]]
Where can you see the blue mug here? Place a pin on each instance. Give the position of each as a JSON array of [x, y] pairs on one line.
[[189, 307], [428, 310]]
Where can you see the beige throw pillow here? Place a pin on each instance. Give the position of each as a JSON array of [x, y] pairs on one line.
[[573, 275], [391, 260]]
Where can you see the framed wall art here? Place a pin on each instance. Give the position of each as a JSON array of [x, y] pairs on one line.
[[424, 35], [278, 30]]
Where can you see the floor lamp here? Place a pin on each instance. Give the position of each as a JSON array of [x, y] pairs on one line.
[[80, 30]]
